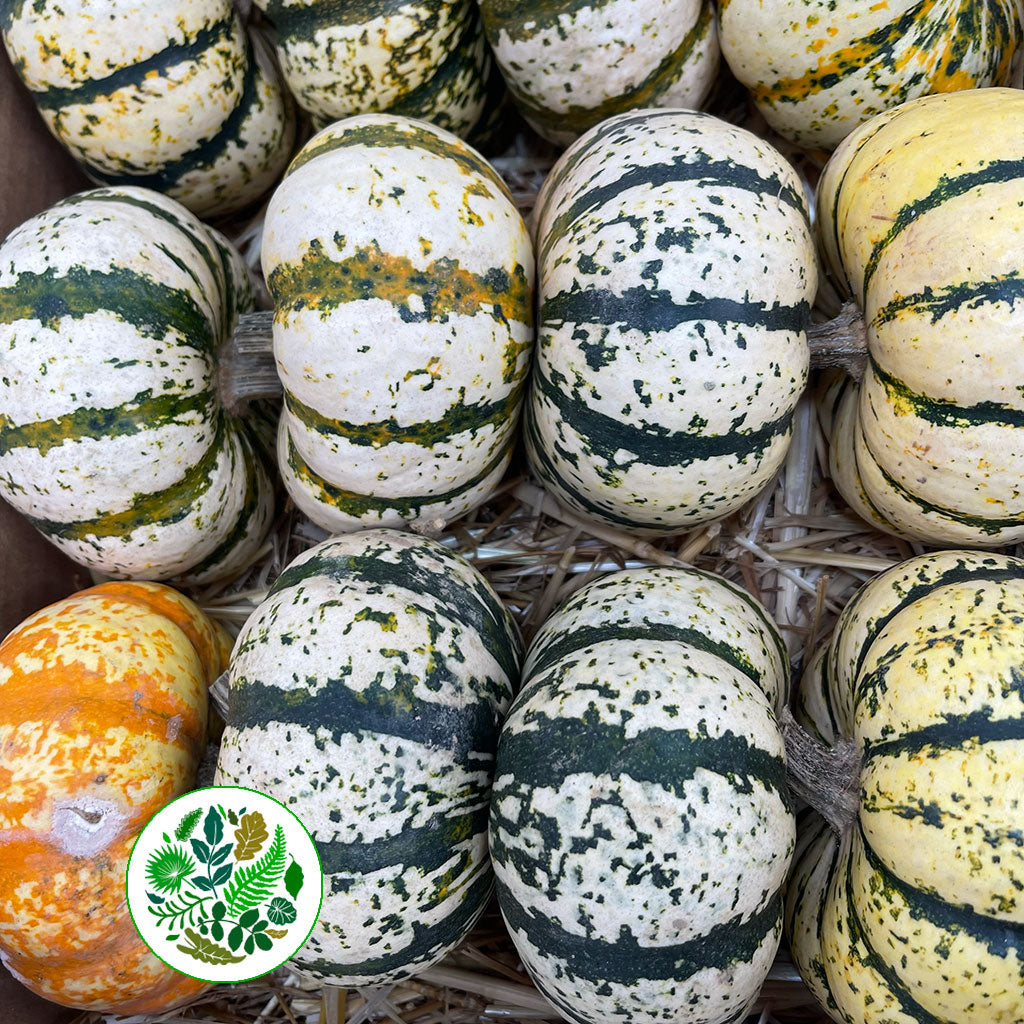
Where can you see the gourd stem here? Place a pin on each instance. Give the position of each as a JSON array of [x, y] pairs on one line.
[[247, 369], [828, 778], [842, 343]]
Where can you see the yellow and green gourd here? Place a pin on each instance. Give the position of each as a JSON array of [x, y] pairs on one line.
[[818, 68], [172, 95], [402, 278], [113, 442], [921, 214], [571, 65], [426, 59], [914, 912], [676, 273]]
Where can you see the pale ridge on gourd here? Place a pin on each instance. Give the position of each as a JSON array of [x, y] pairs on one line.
[[113, 443], [402, 277], [641, 828], [366, 693]]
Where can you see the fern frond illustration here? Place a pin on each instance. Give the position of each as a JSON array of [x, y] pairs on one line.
[[187, 825], [166, 869], [170, 912], [253, 884]]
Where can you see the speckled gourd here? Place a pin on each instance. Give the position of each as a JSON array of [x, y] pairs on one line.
[[676, 273], [426, 59], [912, 912], [113, 442], [366, 693], [641, 828], [103, 719], [173, 95], [569, 66], [819, 68], [402, 278], [920, 215]]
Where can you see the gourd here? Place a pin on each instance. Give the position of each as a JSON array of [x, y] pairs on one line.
[[641, 827], [366, 693], [113, 304], [927, 444], [427, 59], [569, 66], [816, 69], [169, 95], [905, 903], [676, 273], [103, 715], [402, 278]]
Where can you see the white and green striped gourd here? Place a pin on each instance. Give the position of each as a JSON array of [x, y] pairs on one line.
[[172, 95], [113, 306], [570, 66], [816, 69], [426, 59], [676, 274], [402, 278], [641, 828], [906, 907], [366, 693]]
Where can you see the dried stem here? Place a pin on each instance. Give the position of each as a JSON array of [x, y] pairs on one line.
[[828, 778], [247, 367], [842, 343]]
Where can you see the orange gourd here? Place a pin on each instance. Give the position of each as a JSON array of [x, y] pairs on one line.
[[103, 720]]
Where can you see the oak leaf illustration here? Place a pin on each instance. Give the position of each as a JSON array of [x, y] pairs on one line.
[[251, 835]]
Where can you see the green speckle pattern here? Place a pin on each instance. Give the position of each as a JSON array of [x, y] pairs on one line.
[[640, 825], [915, 913], [573, 63], [175, 97], [676, 275], [402, 278], [425, 59], [367, 693], [113, 306]]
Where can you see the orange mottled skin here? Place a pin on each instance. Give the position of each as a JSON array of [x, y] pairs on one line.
[[103, 720]]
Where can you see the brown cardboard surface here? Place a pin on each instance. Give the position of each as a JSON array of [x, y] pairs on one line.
[[34, 172]]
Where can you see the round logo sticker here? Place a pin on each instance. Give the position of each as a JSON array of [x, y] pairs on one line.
[[224, 884]]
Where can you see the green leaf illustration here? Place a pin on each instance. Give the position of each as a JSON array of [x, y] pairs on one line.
[[253, 884], [281, 911], [153, 898], [232, 817], [217, 930], [293, 879], [207, 951], [263, 941], [250, 944], [167, 868], [201, 850], [213, 827], [218, 910], [220, 854], [222, 874], [249, 918], [235, 937], [171, 911], [251, 835], [188, 824]]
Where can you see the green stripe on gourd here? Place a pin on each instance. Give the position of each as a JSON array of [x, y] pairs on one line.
[[817, 73], [211, 124], [403, 323], [676, 272], [135, 471], [367, 691], [572, 65], [425, 59], [641, 826], [918, 894]]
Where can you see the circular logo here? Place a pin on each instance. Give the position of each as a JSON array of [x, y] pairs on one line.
[[224, 884]]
